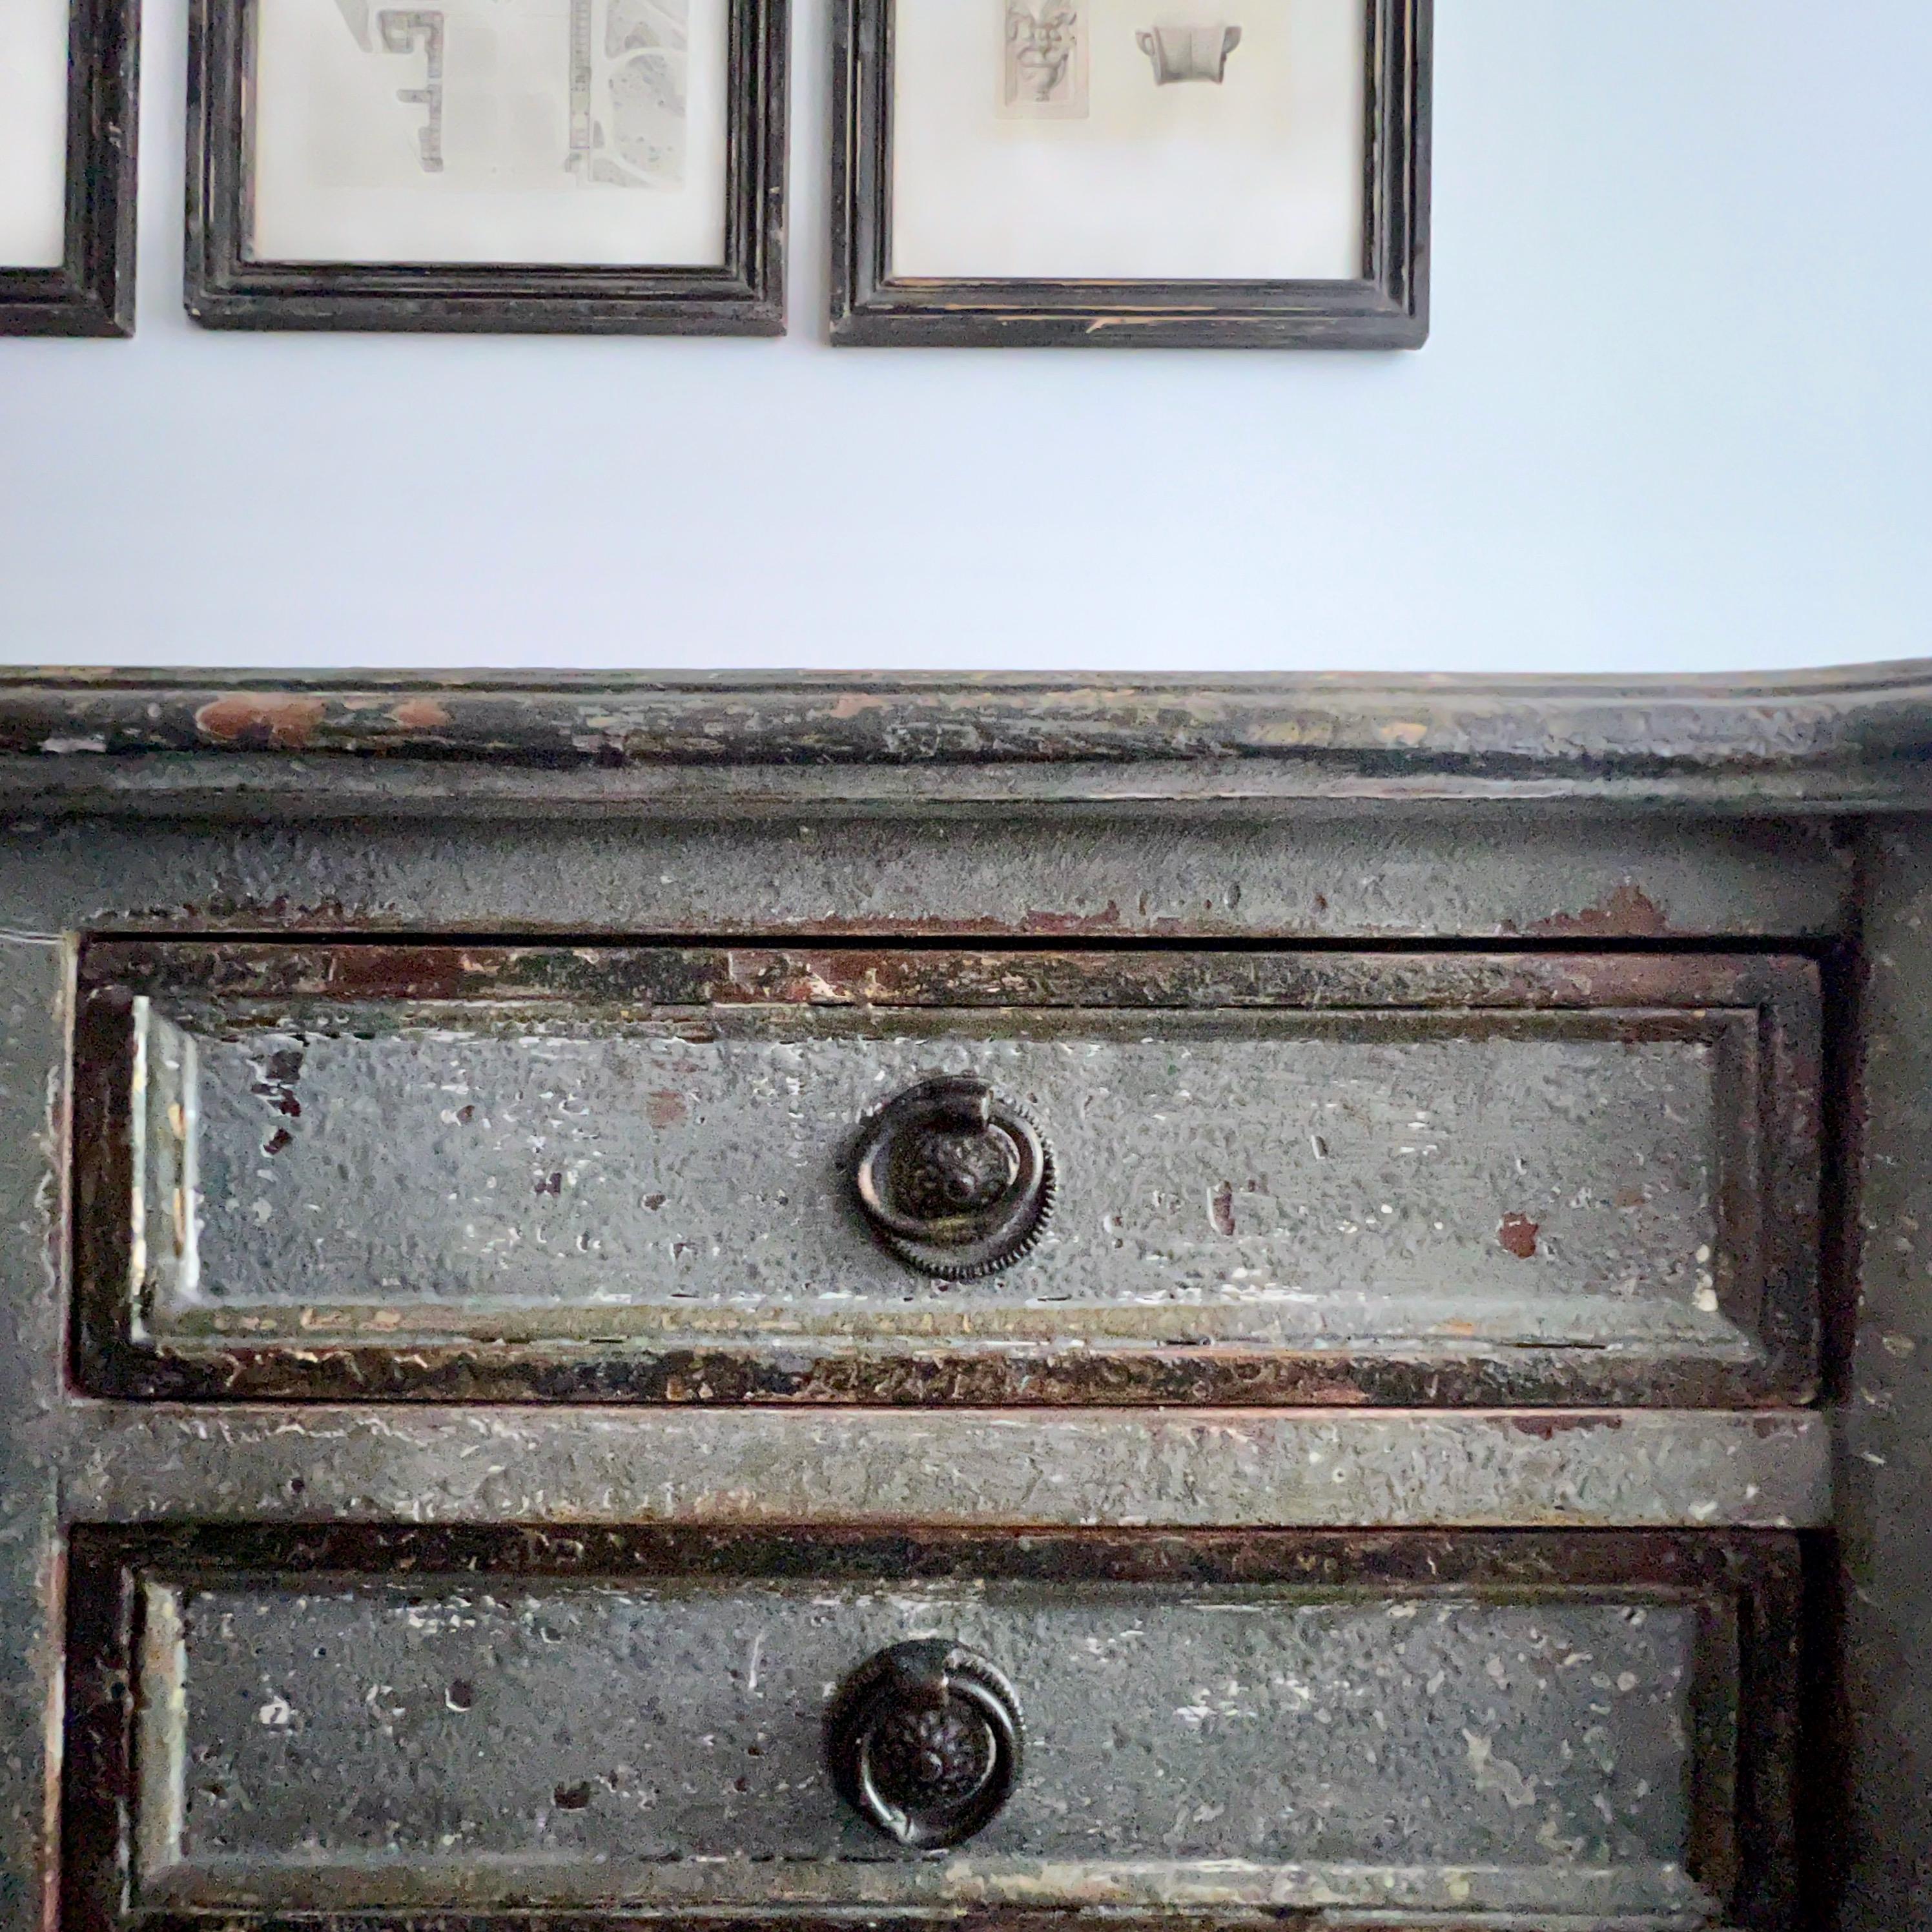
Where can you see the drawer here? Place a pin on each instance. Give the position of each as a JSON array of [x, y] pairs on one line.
[[928, 1175], [1534, 1727]]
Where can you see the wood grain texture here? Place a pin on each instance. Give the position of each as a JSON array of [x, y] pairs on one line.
[[92, 291]]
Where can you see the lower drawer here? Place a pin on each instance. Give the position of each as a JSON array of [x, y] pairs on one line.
[[1419, 1728]]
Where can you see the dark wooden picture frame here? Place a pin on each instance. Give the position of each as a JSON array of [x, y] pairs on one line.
[[92, 291], [225, 288], [1387, 308]]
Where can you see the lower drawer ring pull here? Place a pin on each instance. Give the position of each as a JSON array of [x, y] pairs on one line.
[[925, 1742]]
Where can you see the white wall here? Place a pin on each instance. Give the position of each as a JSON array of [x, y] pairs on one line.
[[1674, 416]]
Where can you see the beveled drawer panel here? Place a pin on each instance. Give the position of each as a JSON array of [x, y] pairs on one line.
[[611, 1172], [394, 1722]]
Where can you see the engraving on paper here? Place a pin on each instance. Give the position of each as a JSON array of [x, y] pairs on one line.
[[1189, 53], [523, 94], [403, 33], [1044, 60], [628, 97]]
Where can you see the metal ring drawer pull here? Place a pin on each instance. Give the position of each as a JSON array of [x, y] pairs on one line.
[[925, 1742], [955, 1181]]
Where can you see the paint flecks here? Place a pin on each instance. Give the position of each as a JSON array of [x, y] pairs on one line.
[[1490, 1773], [1221, 1209], [286, 722], [1518, 1234], [1627, 912]]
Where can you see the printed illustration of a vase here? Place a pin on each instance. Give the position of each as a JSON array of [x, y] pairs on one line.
[[1189, 53]]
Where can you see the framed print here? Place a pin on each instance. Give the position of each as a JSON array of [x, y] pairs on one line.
[[599, 165], [66, 166], [1141, 173]]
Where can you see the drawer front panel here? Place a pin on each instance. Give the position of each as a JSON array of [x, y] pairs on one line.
[[1591, 1726], [628, 1172]]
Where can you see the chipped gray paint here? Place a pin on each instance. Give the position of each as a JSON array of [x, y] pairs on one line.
[[1886, 1471], [1496, 874], [319, 1463], [32, 977], [1831, 738], [1012, 809], [1285, 1176], [1274, 1177], [1259, 1746]]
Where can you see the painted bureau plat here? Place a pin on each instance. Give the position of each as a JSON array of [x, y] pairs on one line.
[[1422, 1423]]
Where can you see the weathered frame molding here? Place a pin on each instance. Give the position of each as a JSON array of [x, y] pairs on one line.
[[1858, 739], [1388, 307], [92, 291], [226, 289]]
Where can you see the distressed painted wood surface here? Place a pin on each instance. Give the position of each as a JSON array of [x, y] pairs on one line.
[[1513, 1177], [1527, 1725], [256, 743], [1881, 1794], [31, 1556], [1019, 814], [1374, 878], [441, 1728], [318, 1463]]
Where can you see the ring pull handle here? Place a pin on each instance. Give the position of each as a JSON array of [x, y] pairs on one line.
[[954, 1181], [925, 1742]]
